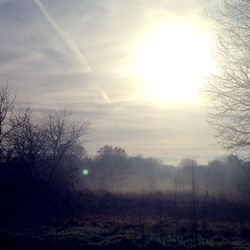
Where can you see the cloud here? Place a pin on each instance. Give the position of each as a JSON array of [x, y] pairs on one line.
[[43, 51], [143, 129], [66, 38]]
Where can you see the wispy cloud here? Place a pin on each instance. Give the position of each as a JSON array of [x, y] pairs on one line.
[[64, 36], [43, 51]]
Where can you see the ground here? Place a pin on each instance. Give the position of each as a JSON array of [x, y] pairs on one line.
[[142, 221]]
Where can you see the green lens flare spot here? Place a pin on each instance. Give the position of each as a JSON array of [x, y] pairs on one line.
[[85, 172]]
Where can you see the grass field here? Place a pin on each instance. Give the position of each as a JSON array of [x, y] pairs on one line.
[[142, 221]]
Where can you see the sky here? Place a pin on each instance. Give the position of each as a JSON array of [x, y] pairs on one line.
[[133, 68]]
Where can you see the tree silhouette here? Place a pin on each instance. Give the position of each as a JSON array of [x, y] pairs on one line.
[[112, 160], [6, 115], [229, 89]]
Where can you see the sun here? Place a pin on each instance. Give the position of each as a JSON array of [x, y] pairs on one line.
[[173, 62]]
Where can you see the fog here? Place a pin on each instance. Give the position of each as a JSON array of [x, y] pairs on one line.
[[111, 169]]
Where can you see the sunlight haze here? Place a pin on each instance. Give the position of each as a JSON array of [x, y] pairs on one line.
[[174, 60], [134, 69]]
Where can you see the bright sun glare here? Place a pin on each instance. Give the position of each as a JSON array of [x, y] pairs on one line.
[[173, 62]]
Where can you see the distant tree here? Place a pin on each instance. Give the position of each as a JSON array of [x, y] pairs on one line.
[[186, 162], [112, 152], [184, 173], [111, 159], [146, 174], [137, 164]]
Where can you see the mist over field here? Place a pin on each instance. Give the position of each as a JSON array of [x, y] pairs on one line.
[[124, 125]]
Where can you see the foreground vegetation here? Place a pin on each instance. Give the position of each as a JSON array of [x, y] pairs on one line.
[[89, 220]]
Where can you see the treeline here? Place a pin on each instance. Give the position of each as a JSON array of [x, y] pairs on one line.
[[111, 169], [42, 155]]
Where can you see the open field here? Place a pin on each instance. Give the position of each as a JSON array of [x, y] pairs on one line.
[[148, 221]]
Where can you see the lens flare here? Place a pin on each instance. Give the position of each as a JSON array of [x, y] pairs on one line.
[[85, 172]]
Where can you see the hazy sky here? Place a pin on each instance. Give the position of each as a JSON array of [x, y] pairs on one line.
[[82, 55]]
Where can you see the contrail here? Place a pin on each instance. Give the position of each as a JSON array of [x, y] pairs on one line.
[[67, 40]]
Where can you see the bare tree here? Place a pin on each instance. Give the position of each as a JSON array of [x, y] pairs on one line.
[[112, 159], [62, 138], [46, 148], [6, 112], [229, 89], [27, 141]]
